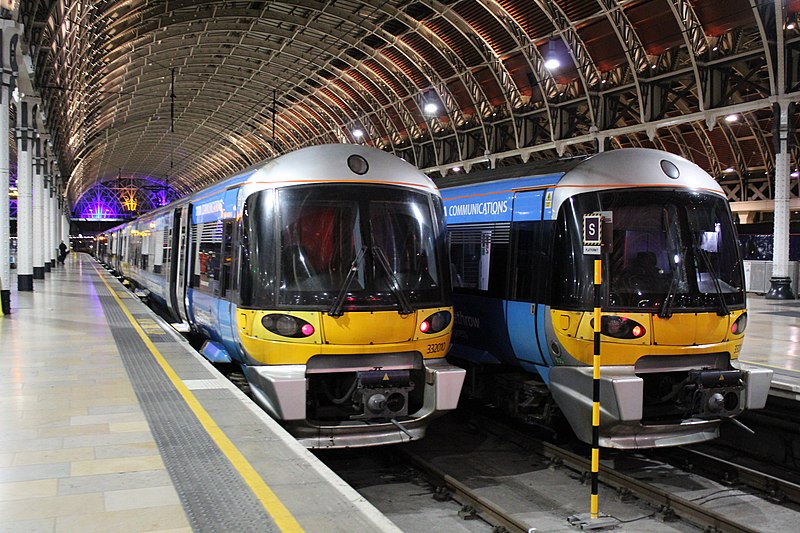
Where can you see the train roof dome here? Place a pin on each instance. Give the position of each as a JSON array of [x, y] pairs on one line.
[[329, 163]]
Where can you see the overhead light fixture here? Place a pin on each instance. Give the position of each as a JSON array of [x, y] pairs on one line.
[[729, 170], [551, 61], [456, 169], [358, 133], [791, 26], [795, 174], [733, 117], [431, 108]]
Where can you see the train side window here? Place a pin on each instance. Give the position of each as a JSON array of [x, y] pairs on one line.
[[479, 258], [531, 260], [156, 250], [226, 258], [166, 251], [208, 256]]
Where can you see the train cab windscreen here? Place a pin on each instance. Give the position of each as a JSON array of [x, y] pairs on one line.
[[343, 247], [671, 251]]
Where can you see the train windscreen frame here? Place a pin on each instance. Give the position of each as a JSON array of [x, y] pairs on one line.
[[373, 247], [671, 251]]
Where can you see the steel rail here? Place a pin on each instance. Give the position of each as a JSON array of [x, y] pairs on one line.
[[772, 485], [666, 501], [489, 511]]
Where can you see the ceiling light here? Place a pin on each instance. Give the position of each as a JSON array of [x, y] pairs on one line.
[[456, 169], [791, 26], [431, 107], [358, 133], [733, 117], [552, 63], [729, 170], [795, 174]]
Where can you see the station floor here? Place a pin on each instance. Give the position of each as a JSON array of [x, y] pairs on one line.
[[772, 340], [110, 421]]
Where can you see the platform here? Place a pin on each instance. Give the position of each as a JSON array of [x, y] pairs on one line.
[[772, 340], [112, 422]]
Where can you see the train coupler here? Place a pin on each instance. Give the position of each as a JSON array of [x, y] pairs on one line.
[[382, 394], [714, 393]]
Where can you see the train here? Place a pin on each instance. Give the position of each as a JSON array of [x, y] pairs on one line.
[[672, 296], [321, 277]]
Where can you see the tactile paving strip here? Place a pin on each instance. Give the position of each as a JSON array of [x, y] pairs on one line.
[[212, 492]]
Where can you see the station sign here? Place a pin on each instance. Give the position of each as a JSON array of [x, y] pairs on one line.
[[596, 227]]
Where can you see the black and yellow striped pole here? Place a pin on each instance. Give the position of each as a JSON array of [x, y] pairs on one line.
[[598, 280]]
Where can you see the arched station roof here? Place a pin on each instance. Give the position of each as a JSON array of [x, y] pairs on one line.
[[192, 91]]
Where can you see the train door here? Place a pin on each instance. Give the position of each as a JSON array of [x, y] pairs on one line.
[[178, 280], [526, 314], [227, 288]]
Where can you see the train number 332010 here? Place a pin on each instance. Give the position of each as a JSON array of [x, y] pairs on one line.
[[437, 347]]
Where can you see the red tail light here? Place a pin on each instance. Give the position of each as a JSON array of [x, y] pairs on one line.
[[620, 327], [740, 325]]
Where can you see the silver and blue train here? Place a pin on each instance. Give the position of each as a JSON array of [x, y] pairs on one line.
[[673, 296], [322, 275]]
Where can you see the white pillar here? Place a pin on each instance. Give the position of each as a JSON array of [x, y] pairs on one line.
[[780, 282], [55, 224], [47, 210], [9, 32], [65, 223], [25, 197], [38, 213], [5, 212]]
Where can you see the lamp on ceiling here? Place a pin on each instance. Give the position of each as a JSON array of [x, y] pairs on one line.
[[551, 60]]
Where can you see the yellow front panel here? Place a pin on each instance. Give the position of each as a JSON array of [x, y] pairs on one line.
[[383, 327], [711, 328], [678, 330], [679, 334], [376, 333]]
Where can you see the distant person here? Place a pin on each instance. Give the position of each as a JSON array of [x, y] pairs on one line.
[[62, 252]]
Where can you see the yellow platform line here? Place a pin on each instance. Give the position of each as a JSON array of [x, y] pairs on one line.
[[272, 505]]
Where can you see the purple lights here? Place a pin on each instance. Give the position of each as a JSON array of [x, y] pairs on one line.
[[123, 199]]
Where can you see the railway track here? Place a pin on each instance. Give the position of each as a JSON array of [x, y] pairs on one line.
[[734, 473], [665, 503], [514, 482]]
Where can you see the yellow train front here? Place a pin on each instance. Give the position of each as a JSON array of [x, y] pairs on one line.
[[672, 297], [344, 310], [321, 276]]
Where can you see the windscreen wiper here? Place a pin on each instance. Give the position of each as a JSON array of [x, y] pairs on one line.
[[336, 308], [394, 283], [723, 307], [666, 307], [666, 311]]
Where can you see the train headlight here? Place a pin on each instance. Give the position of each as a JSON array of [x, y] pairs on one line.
[[287, 326], [740, 325], [620, 327], [436, 322]]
